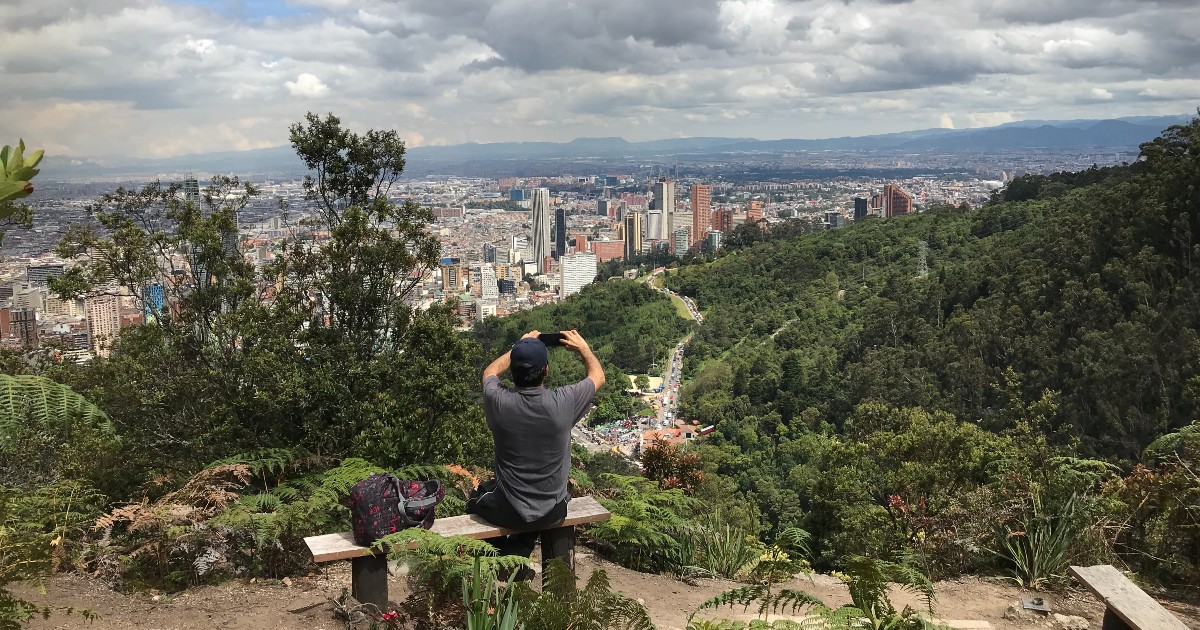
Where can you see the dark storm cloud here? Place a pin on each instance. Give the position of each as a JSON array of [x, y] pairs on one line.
[[595, 35]]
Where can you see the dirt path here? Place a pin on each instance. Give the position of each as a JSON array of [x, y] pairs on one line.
[[305, 604]]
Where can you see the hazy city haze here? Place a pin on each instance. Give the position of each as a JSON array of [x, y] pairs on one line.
[[160, 78]]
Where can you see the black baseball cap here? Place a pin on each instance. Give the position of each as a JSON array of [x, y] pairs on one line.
[[529, 357]]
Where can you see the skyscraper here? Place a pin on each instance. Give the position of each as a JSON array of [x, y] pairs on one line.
[[602, 207], [653, 225], [560, 232], [633, 235], [540, 240], [896, 202], [664, 203], [577, 271], [191, 190], [489, 253], [860, 208], [701, 213]]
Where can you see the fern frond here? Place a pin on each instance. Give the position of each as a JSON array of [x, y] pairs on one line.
[[791, 600], [263, 501], [25, 398], [742, 596]]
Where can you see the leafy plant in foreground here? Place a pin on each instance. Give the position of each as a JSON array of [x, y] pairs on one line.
[[779, 562], [562, 605], [870, 608], [1039, 548], [488, 607], [646, 525]]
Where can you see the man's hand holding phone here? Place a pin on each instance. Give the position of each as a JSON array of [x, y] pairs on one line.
[[573, 341]]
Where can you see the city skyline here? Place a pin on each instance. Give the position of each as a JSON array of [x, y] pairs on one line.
[[159, 78]]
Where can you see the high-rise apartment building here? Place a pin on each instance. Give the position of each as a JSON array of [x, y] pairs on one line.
[[754, 212], [454, 278], [23, 327], [577, 271], [489, 253], [892, 202], [489, 288], [540, 241], [104, 322], [560, 232], [633, 235], [896, 202], [61, 307], [722, 220], [681, 241], [701, 212]]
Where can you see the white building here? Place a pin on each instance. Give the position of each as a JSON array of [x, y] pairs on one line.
[[488, 289], [104, 321], [577, 271], [664, 203]]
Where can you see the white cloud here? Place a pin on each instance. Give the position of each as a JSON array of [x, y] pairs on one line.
[[945, 121], [306, 85], [164, 76]]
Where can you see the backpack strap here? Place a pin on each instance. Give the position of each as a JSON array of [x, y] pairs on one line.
[[432, 499]]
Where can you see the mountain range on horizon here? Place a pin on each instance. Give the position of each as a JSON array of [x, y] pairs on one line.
[[1118, 133]]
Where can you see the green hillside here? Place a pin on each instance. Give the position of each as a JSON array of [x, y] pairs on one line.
[[889, 413]]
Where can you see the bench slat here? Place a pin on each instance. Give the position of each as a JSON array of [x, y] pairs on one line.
[[341, 546], [1125, 599]]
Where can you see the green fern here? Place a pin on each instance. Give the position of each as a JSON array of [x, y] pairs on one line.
[[785, 600], [562, 604], [25, 398], [647, 524]]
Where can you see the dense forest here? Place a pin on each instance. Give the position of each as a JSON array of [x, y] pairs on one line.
[[1054, 328], [1024, 398]]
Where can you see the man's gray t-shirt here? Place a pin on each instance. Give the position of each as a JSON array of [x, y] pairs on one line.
[[532, 430]]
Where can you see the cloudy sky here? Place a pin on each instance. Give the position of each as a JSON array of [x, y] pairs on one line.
[[168, 77]]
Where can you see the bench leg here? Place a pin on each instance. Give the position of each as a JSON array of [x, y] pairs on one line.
[[1113, 622], [368, 581], [558, 543]]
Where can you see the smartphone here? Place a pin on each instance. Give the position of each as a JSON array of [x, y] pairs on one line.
[[551, 339]]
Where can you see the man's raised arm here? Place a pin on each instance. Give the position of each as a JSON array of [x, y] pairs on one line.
[[574, 342]]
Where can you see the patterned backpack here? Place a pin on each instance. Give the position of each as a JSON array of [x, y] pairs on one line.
[[382, 504]]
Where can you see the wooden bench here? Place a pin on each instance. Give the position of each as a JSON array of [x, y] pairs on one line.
[[368, 572], [1127, 607]]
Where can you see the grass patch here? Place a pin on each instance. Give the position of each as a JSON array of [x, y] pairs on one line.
[[680, 307]]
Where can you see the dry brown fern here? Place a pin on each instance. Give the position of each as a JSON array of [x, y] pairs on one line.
[[206, 494]]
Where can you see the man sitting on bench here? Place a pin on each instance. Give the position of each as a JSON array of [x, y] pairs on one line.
[[531, 427]]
